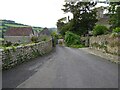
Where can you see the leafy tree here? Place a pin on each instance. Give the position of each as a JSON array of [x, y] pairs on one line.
[[60, 24], [114, 11], [84, 18], [54, 35]]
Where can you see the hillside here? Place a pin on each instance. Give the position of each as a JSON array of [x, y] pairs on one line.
[[53, 30], [5, 24]]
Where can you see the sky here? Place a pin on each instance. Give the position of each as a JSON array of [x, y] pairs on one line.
[[42, 13]]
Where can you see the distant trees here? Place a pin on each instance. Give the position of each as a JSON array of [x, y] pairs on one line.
[[60, 24]]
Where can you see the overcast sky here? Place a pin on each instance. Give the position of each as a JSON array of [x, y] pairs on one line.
[[43, 13]]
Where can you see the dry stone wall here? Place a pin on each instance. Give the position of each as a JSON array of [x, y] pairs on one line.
[[106, 43], [15, 56]]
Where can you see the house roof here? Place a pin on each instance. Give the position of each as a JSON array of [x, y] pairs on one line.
[[19, 31], [45, 31]]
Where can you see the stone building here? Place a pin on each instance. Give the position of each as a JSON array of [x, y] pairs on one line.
[[103, 18], [45, 31], [19, 34]]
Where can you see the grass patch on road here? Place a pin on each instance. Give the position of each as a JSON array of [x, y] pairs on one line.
[[77, 46]]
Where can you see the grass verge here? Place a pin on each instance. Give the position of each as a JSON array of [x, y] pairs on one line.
[[77, 46]]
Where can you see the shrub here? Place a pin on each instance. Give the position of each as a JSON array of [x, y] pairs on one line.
[[71, 39], [44, 38], [99, 30], [34, 39], [114, 35], [7, 44], [116, 30], [16, 44], [60, 36]]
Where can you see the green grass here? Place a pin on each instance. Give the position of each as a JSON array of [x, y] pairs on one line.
[[13, 25], [77, 46]]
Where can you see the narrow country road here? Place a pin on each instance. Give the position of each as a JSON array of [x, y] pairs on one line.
[[64, 68]]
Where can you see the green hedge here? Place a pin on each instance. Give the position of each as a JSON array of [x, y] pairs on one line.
[[71, 39]]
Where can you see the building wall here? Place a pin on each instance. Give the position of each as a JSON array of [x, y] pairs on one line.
[[15, 56], [22, 39], [99, 12]]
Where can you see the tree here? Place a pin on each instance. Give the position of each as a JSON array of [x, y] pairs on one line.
[[114, 12], [84, 17], [60, 24]]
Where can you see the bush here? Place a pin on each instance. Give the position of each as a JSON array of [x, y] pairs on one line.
[[71, 39], [16, 44], [7, 44], [114, 35], [60, 36], [116, 30], [99, 30], [34, 39]]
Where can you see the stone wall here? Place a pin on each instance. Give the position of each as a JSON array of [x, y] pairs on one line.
[[0, 60], [14, 56], [106, 43]]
